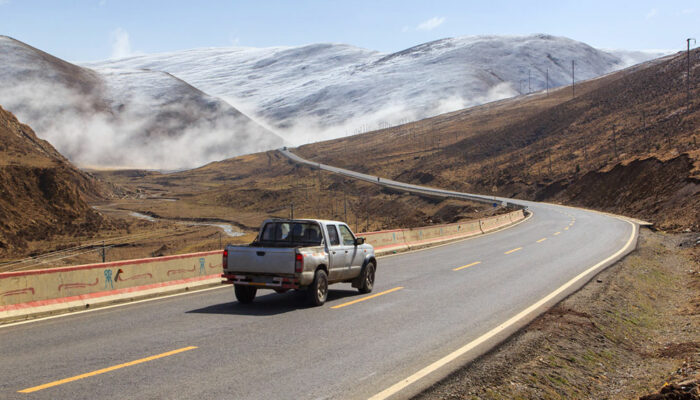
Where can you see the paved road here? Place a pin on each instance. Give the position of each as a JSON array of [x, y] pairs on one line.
[[437, 301]]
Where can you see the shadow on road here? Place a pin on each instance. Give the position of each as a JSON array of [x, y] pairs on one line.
[[271, 303]]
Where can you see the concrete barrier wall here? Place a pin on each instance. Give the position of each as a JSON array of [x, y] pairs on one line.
[[516, 216], [403, 239], [394, 240], [25, 289]]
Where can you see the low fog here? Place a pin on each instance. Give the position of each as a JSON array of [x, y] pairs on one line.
[[308, 129], [135, 126]]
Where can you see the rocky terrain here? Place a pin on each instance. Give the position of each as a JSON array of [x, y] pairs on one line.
[[42, 195]]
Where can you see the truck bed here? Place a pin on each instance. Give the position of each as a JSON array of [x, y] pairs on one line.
[[261, 260]]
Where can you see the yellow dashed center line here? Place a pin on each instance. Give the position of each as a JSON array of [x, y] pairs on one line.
[[557, 233], [105, 370], [513, 251], [466, 266], [368, 297], [541, 240]]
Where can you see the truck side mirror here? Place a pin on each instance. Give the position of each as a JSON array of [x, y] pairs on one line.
[[359, 241]]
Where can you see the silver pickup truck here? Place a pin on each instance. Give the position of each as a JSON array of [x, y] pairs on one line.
[[300, 254]]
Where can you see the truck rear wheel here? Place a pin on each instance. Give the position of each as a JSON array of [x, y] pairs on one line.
[[245, 294], [318, 291], [367, 282]]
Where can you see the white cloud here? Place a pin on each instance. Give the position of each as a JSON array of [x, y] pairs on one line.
[[652, 13], [688, 11], [431, 24], [121, 46], [102, 3], [3, 2]]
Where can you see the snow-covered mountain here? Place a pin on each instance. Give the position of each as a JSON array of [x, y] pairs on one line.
[[319, 91], [125, 118]]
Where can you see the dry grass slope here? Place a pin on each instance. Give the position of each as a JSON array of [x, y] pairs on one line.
[[589, 150], [43, 195]]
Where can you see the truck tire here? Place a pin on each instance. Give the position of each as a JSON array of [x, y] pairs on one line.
[[367, 282], [245, 294], [318, 291]]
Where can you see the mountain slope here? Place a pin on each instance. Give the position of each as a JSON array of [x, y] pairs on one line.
[[129, 118], [627, 144], [328, 90], [42, 194]]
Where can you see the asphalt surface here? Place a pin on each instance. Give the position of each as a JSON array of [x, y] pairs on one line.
[[278, 347]]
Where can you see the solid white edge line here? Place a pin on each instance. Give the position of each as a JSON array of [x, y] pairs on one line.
[[386, 393], [128, 303]]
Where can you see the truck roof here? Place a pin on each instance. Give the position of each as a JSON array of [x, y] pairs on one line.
[[322, 221]]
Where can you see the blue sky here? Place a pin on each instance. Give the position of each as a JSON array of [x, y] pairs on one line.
[[86, 30]]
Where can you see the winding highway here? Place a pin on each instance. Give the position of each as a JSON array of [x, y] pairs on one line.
[[430, 311]]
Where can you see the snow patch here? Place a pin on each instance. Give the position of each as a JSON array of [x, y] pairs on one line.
[[322, 91]]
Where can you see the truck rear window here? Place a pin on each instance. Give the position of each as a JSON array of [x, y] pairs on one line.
[[292, 234]]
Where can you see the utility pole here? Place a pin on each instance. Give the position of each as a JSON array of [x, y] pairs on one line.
[[573, 80], [547, 79], [688, 77], [614, 141], [291, 209], [529, 86], [103, 252]]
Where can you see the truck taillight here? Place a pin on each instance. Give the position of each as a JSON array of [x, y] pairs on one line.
[[225, 261], [299, 263]]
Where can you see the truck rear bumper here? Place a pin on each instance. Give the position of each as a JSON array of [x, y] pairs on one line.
[[271, 282]]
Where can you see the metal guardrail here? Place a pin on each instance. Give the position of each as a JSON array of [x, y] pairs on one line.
[[407, 187]]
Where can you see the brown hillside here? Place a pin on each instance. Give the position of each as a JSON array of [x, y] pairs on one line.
[[542, 147], [41, 194], [248, 189], [589, 150]]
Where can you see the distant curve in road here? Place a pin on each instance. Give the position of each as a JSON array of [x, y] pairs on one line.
[[431, 311]]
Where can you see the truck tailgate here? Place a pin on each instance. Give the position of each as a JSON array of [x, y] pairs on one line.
[[261, 260]]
